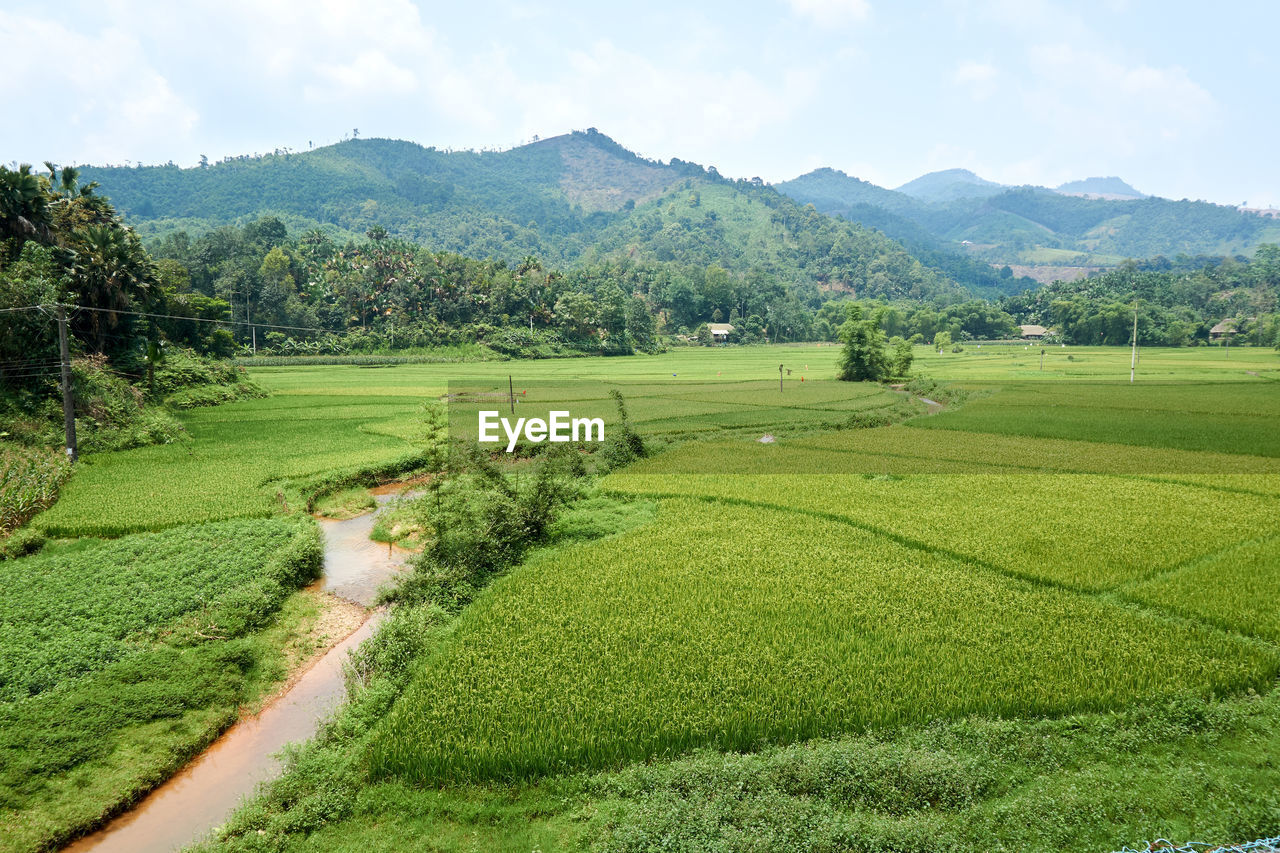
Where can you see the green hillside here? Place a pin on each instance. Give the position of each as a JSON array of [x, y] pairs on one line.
[[510, 203], [568, 200]]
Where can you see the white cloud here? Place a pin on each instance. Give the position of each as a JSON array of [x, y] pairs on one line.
[[832, 12], [978, 79], [657, 107], [369, 73], [1096, 101], [100, 94], [973, 72]]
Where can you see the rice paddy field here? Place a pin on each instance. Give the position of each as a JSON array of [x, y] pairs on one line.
[[1053, 596], [1046, 548]]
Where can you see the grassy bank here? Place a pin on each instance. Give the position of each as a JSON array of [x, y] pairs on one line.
[[122, 658]]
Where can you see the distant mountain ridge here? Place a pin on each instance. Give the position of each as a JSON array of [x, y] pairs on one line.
[[579, 198], [582, 197], [1096, 222]]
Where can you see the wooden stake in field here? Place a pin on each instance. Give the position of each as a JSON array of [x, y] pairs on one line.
[[779, 378], [511, 394], [1042, 358]]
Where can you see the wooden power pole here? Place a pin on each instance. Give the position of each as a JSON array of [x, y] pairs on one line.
[[1133, 358], [68, 400]]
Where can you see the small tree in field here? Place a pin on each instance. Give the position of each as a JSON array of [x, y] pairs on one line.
[[902, 356], [941, 341], [863, 358]]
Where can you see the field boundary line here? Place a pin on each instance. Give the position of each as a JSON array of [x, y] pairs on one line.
[[1191, 562], [1109, 597], [1150, 478]]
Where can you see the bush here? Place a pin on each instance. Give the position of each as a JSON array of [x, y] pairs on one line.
[[480, 523], [627, 445]]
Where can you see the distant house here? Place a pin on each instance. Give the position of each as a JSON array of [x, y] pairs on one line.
[[1033, 333], [1225, 329], [720, 331]]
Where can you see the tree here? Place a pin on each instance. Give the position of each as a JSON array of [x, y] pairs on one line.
[[941, 341], [641, 325], [902, 357], [863, 358]]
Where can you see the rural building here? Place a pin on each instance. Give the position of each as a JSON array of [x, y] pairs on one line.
[[1225, 329], [1033, 333], [720, 331]]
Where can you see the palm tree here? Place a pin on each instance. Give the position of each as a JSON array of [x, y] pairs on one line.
[[112, 273], [24, 206]]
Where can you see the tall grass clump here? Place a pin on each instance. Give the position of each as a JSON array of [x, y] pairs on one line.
[[29, 481]]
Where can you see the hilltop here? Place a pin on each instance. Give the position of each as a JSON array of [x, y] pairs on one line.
[[950, 184], [572, 199], [1112, 188]]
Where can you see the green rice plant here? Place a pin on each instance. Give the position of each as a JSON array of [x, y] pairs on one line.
[[1229, 417], [732, 626], [1082, 531], [910, 444], [235, 466], [1237, 587]]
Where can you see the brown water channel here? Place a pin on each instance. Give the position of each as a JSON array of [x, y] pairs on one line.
[[204, 793]]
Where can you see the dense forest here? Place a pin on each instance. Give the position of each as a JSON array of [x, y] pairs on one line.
[[1178, 301], [572, 200], [1035, 225]]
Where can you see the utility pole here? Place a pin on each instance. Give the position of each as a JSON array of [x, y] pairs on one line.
[[1133, 359], [68, 401], [1042, 358], [779, 378], [253, 330], [511, 393]]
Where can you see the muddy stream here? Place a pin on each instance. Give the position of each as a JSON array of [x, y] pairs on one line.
[[203, 794]]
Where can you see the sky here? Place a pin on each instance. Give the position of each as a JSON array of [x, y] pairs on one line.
[[1178, 98]]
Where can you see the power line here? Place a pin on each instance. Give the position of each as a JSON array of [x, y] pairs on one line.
[[31, 375], [172, 317], [203, 319]]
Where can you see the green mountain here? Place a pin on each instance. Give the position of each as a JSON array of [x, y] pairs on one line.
[[1109, 188], [950, 184], [900, 216], [1034, 225], [569, 200]]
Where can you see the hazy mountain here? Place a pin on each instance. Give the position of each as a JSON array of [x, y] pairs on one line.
[[950, 184], [1084, 224], [1106, 188]]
